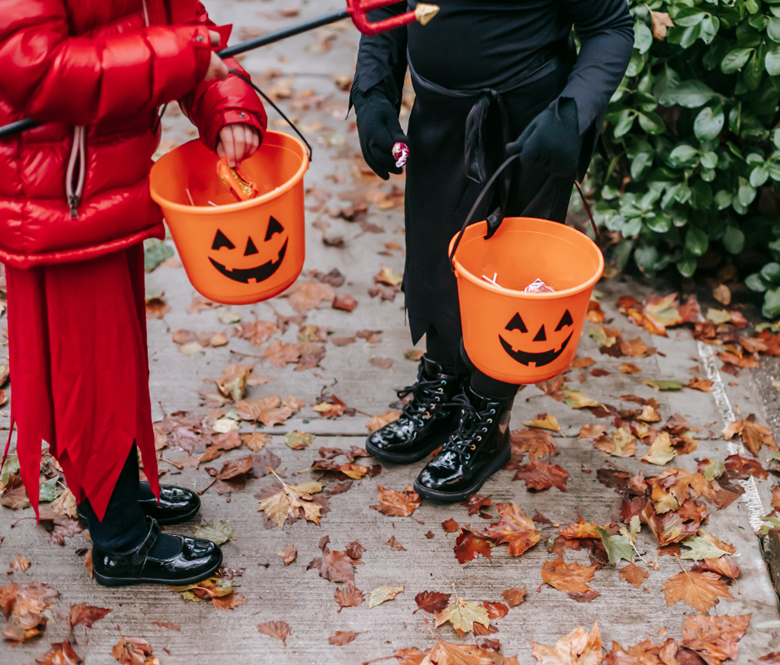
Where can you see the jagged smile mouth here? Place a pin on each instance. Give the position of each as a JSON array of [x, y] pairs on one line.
[[538, 359], [259, 274]]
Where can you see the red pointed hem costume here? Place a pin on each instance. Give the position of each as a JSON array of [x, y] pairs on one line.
[[79, 362], [75, 206]]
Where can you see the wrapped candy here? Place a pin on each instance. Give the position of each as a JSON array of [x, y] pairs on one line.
[[538, 286], [400, 154]]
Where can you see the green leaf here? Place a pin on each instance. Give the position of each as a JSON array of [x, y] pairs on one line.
[[773, 29], [735, 60], [643, 37], [691, 94], [723, 199], [733, 240], [618, 547], [758, 176], [11, 467], [686, 267], [665, 385], [155, 252], [770, 273], [709, 160], [216, 531], [754, 71], [683, 154], [651, 122], [709, 123], [714, 470], [701, 547], [623, 122], [746, 194], [49, 490], [696, 241], [755, 283], [701, 195], [772, 61], [771, 308]]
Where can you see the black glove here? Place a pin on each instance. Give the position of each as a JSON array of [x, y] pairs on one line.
[[379, 130], [551, 142]]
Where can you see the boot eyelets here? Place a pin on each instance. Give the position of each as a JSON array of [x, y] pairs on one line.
[[473, 447], [490, 420]]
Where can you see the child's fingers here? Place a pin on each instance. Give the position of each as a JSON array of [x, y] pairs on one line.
[[255, 142], [239, 142], [214, 38], [229, 145]]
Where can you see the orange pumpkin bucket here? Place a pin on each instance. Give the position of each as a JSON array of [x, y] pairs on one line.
[[519, 337], [236, 253]]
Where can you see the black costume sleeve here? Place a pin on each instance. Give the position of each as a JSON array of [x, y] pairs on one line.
[[606, 32], [382, 58]]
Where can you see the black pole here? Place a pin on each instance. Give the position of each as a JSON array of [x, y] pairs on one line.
[[229, 52], [279, 35]]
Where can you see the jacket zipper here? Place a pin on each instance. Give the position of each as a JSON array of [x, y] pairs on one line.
[[74, 181]]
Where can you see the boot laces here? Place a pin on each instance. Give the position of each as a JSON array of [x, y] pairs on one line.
[[426, 394], [473, 426]]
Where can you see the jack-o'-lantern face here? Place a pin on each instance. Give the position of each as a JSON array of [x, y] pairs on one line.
[[227, 249], [544, 356]]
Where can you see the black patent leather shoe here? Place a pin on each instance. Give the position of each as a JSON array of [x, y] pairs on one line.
[[195, 561], [426, 422], [176, 505], [478, 449]]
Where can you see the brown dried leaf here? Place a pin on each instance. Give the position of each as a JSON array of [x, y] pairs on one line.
[[634, 575], [715, 638], [397, 504], [542, 475], [469, 546], [288, 554], [514, 527], [699, 590], [537, 443], [377, 422], [132, 651], [348, 596], [431, 601], [304, 296], [514, 596], [576, 648], [277, 629], [567, 577], [342, 637]]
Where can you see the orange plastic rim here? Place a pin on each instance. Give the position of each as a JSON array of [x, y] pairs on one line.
[[236, 252], [519, 337]]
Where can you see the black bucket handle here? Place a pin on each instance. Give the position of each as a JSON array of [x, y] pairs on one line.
[[248, 81], [487, 188]]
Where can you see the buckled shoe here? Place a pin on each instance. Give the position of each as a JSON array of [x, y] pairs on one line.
[[479, 447], [426, 422], [196, 560]]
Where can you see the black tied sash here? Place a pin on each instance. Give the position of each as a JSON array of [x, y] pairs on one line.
[[476, 148]]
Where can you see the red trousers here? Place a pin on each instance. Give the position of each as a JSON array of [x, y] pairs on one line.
[[79, 371]]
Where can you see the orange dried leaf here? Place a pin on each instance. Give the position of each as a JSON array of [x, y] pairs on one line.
[[698, 590]]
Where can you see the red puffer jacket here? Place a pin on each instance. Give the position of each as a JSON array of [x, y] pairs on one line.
[[95, 72]]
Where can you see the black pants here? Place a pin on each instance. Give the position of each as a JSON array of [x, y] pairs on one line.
[[124, 524]]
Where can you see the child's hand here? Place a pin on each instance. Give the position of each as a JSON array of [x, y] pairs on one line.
[[217, 69], [237, 142]]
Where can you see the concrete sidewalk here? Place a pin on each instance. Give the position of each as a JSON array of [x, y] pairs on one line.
[[299, 597]]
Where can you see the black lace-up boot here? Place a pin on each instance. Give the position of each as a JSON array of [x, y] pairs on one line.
[[427, 420], [478, 449]]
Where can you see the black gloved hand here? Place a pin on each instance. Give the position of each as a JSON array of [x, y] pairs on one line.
[[551, 142], [379, 130]]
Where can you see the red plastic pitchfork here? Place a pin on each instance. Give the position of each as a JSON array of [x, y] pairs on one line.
[[357, 10]]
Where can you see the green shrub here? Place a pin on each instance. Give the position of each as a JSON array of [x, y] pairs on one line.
[[693, 134]]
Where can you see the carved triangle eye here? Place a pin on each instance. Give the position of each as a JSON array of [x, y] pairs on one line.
[[566, 320], [221, 240], [516, 324], [274, 227], [541, 336], [250, 248]]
